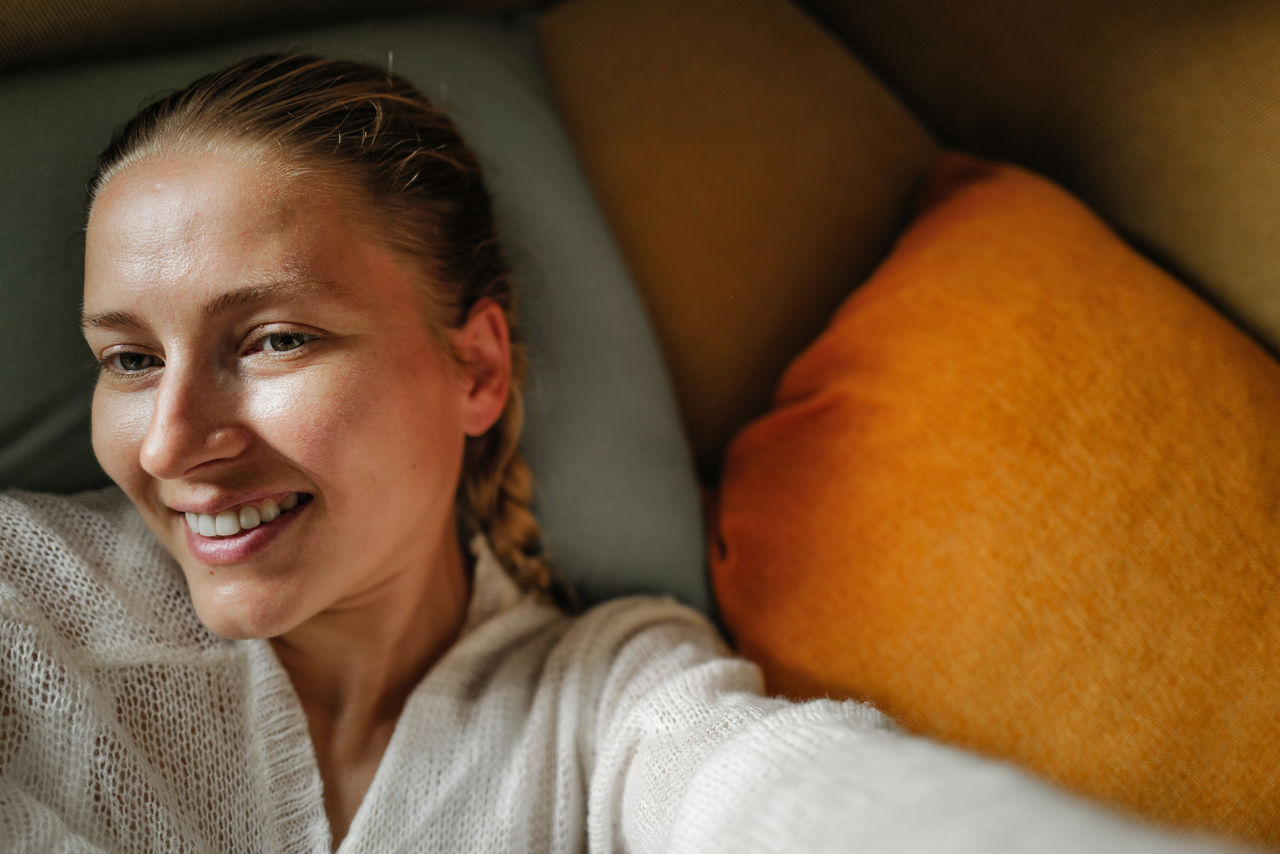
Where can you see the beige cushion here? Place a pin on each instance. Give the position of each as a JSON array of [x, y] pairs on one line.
[[1163, 115], [751, 168]]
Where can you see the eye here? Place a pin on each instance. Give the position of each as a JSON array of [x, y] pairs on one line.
[[283, 342], [278, 341], [130, 363]]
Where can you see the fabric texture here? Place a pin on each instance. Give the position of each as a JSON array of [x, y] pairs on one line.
[[126, 726], [751, 169], [614, 483], [1021, 494]]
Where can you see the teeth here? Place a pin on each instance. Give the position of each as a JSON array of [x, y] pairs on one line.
[[269, 511], [249, 517], [226, 523], [231, 522]]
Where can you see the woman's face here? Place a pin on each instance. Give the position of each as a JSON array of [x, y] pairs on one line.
[[270, 396]]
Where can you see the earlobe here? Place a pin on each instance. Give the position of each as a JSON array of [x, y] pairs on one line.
[[483, 347]]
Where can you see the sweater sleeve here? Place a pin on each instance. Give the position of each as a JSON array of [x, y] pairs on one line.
[[687, 756]]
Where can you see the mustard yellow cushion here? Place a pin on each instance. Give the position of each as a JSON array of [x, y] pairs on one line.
[[748, 164], [1023, 494]]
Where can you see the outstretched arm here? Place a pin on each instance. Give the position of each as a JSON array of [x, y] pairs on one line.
[[689, 757]]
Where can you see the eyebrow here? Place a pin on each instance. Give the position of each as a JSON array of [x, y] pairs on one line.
[[223, 303]]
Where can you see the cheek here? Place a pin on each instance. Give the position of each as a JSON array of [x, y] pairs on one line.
[[119, 425], [357, 421], [299, 415]]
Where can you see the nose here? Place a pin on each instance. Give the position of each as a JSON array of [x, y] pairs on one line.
[[194, 422]]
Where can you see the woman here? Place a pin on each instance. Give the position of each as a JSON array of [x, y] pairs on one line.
[[309, 393]]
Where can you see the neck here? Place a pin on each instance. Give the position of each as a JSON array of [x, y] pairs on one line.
[[354, 667]]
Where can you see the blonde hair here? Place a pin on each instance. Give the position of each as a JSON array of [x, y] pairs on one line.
[[418, 189]]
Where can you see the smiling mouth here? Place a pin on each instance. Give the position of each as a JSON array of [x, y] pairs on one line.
[[236, 520]]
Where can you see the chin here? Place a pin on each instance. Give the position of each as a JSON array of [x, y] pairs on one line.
[[238, 614]]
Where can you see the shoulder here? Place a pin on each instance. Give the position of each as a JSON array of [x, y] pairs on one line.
[[83, 570], [611, 655], [628, 636], [645, 631], [68, 541], [645, 655], [38, 526]]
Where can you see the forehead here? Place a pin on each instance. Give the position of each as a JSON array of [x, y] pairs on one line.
[[151, 209], [189, 227]]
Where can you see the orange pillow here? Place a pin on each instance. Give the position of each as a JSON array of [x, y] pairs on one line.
[[1023, 494]]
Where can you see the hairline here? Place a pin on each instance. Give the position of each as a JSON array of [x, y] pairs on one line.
[[320, 176]]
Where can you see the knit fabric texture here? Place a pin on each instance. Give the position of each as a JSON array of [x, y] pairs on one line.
[[126, 726]]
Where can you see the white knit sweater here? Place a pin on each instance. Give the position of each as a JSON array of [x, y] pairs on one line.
[[126, 726]]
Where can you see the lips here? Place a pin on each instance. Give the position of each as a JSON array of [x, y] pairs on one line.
[[240, 543], [244, 517]]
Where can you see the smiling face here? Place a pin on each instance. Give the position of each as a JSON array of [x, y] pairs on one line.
[[261, 357]]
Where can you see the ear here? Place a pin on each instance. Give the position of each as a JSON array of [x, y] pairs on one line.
[[483, 348]]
